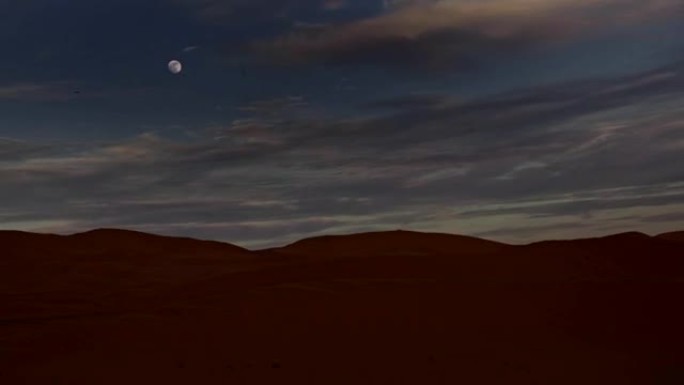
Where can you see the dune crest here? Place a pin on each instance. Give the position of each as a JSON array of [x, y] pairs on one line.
[[115, 306]]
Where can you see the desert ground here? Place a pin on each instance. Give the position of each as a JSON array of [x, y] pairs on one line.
[[398, 307]]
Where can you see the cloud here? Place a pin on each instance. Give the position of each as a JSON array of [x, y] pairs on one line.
[[275, 106], [413, 101], [450, 33], [12, 150], [239, 11], [334, 5], [35, 92], [606, 153]]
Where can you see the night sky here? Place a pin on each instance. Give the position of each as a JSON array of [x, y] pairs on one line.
[[514, 120]]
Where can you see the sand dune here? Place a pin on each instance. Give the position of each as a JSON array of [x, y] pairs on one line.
[[113, 306], [677, 236], [391, 243]]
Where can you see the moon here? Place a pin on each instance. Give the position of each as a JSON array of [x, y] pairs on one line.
[[175, 67]]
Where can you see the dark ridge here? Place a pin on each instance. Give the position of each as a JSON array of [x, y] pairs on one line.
[[110, 232], [13, 235], [632, 236], [125, 307], [114, 244], [675, 236], [392, 242], [13, 242], [110, 260], [123, 234], [120, 237]]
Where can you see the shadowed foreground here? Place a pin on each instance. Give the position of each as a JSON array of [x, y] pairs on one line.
[[119, 307]]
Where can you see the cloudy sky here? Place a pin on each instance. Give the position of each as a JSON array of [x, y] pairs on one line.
[[515, 120]]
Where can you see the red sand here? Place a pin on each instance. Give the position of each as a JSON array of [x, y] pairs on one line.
[[118, 307]]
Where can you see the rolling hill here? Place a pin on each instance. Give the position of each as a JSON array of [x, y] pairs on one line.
[[399, 307]]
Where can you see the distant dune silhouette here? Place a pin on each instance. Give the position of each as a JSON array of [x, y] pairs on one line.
[[111, 240], [398, 307], [677, 236], [391, 243]]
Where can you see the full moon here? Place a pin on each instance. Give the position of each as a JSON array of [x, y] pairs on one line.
[[175, 67]]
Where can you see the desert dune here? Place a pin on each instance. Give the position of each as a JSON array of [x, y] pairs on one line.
[[399, 307]]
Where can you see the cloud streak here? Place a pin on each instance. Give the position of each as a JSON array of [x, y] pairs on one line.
[[604, 152], [35, 92], [453, 32]]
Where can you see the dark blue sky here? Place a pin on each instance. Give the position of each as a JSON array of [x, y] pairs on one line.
[[294, 118]]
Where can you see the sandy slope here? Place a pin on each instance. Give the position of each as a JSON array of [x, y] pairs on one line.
[[114, 307]]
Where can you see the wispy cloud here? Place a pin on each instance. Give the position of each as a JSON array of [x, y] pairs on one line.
[[448, 32], [221, 11], [37, 92], [519, 166]]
